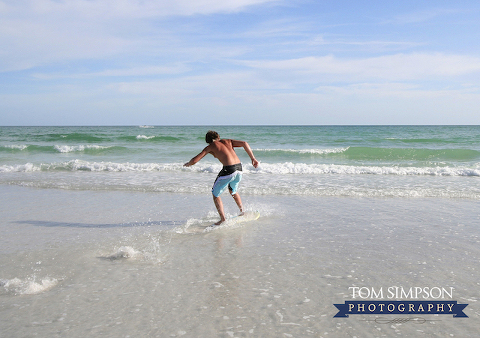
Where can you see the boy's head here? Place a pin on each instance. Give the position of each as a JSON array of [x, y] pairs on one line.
[[211, 136]]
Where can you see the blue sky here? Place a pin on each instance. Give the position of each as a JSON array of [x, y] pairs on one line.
[[211, 62]]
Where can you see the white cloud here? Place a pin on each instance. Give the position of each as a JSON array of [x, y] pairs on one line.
[[173, 69], [398, 67], [39, 32], [239, 88], [34, 34], [209, 85], [125, 8], [248, 98]]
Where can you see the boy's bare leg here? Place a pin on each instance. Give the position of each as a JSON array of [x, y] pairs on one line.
[[238, 200], [219, 205]]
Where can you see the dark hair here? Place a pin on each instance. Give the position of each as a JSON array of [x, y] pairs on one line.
[[211, 136]]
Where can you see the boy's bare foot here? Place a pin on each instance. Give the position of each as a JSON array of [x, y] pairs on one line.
[[219, 222], [241, 213]]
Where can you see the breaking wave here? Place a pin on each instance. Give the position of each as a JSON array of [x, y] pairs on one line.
[[286, 168]]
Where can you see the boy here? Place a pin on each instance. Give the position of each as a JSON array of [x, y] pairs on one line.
[[231, 174]]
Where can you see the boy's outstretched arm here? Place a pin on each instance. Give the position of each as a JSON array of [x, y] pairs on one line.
[[197, 158], [247, 148]]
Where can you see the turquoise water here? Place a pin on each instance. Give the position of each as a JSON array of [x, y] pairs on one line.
[[401, 161]]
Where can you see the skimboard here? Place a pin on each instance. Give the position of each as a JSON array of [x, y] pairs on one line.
[[202, 225], [248, 216]]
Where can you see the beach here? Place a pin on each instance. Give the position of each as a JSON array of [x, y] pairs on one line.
[[107, 235], [100, 270]]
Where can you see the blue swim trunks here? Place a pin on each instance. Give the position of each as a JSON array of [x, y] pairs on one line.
[[230, 176]]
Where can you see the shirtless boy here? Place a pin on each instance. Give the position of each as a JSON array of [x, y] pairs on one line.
[[231, 174]]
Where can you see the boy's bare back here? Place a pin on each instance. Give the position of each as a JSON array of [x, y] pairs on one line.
[[223, 151]]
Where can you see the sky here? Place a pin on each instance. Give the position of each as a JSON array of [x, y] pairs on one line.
[[239, 62]]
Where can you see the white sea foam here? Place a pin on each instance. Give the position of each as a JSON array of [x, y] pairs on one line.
[[286, 168], [319, 169], [306, 151], [28, 286], [352, 191], [78, 148], [27, 167], [80, 165], [16, 146], [151, 251], [194, 223], [120, 167], [125, 252], [144, 137]]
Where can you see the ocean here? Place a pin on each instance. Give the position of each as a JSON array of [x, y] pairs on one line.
[[359, 161], [104, 231]]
